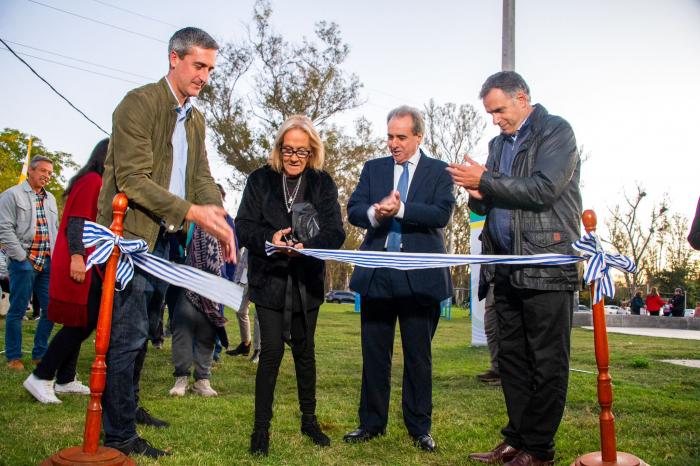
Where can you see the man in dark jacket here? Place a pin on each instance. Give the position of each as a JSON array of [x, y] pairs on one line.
[[529, 192], [404, 202]]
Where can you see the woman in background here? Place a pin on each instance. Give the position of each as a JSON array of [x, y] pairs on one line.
[[654, 302], [72, 300]]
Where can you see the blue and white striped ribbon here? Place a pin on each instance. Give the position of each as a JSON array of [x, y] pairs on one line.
[[135, 252], [597, 269]]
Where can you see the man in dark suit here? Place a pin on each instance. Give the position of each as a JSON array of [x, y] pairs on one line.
[[404, 201]]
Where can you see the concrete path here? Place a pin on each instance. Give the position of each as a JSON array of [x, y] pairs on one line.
[[655, 332]]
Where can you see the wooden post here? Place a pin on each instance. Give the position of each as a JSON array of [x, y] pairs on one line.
[[91, 453], [608, 454]]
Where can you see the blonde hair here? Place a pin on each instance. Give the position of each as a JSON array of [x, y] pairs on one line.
[[304, 123]]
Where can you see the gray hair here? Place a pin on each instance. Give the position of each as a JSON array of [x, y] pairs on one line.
[[405, 110], [509, 82], [183, 40], [39, 158]]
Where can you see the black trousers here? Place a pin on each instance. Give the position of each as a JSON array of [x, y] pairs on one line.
[[418, 324], [61, 357], [533, 359], [271, 352]]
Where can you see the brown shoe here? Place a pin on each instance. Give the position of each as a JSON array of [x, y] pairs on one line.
[[502, 453], [526, 459], [15, 364]]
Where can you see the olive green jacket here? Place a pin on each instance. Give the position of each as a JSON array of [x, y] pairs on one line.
[[139, 163]]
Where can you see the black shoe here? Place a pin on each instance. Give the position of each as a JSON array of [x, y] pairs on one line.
[[144, 417], [311, 428], [260, 442], [489, 377], [425, 442], [361, 435], [255, 357], [241, 350], [138, 446]]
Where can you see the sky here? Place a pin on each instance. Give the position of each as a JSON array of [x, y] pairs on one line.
[[620, 72]]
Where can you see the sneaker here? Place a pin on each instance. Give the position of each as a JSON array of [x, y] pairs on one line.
[[74, 386], [241, 350], [180, 386], [40, 389], [311, 428], [203, 387], [255, 357], [145, 418], [138, 446], [260, 442], [16, 365]]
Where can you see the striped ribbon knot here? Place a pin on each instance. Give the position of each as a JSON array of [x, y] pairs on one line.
[[134, 252], [599, 262], [104, 241]]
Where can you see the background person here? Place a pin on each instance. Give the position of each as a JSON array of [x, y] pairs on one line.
[[654, 302], [287, 288], [636, 303], [71, 300], [28, 228], [677, 303]]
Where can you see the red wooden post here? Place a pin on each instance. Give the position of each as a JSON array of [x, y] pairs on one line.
[[608, 456], [91, 453]]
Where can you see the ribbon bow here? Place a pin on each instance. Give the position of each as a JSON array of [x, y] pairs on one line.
[[134, 252], [104, 240], [598, 267]]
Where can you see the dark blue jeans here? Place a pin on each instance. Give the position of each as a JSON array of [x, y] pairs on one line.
[[130, 326], [24, 279]]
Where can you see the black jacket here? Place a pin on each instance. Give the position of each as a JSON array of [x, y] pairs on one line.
[[262, 213], [544, 197]]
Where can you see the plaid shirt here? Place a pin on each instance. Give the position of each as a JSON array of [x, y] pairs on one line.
[[41, 247]]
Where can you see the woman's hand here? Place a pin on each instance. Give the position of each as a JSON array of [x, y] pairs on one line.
[[280, 239], [77, 268]]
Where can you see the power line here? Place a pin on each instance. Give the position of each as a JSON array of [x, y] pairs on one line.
[[53, 88], [135, 13], [75, 67], [78, 60], [98, 22]]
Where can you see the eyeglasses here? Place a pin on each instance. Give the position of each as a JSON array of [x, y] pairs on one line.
[[302, 152]]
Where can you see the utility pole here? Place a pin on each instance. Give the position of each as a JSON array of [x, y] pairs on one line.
[[508, 36]]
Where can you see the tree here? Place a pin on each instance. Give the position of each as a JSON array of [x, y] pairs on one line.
[[13, 154], [682, 264], [630, 236], [305, 78], [289, 79], [452, 131]]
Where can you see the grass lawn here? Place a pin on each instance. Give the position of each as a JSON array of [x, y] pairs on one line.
[[657, 405]]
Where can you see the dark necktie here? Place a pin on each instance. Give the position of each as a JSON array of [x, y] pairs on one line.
[[394, 239]]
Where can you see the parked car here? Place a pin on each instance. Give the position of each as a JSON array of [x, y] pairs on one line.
[[582, 308], [337, 296], [689, 313], [613, 309]]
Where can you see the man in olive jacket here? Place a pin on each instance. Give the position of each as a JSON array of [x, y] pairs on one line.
[[529, 192], [157, 158]]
